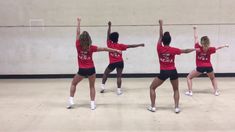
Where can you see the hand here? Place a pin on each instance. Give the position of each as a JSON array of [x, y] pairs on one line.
[[194, 27], [109, 23], [142, 45], [79, 19], [226, 45], [160, 22]]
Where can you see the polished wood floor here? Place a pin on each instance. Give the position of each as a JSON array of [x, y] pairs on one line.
[[36, 105]]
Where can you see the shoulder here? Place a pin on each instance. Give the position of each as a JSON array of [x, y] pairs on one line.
[[78, 41], [197, 45], [159, 45], [109, 42], [122, 44], [175, 50], [212, 49], [94, 46]]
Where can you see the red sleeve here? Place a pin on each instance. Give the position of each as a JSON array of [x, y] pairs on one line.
[[212, 50], [77, 43], [109, 42], [159, 45], [197, 45], [94, 48], [176, 51], [123, 46]]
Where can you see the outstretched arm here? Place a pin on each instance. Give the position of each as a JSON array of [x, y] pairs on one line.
[[195, 35], [109, 30], [78, 28], [135, 45], [187, 50], [160, 32], [220, 47], [108, 49]]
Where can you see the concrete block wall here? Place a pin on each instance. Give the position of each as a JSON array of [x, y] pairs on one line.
[[50, 47]]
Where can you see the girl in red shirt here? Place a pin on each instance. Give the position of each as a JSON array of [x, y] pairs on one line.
[[166, 55], [203, 63], [86, 65], [115, 59]]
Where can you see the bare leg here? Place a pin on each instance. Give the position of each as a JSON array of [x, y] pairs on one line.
[[92, 86], [155, 84], [104, 79], [213, 81], [76, 79], [175, 85], [190, 76], [105, 75], [119, 77], [92, 90]]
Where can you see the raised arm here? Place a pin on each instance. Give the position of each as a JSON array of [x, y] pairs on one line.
[[195, 35], [135, 45], [78, 28], [108, 49], [109, 30], [223, 46], [187, 50], [160, 31]]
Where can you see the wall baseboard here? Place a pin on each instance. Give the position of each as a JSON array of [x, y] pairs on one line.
[[127, 75]]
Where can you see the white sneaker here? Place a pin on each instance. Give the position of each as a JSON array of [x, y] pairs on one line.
[[102, 88], [217, 93], [93, 106], [119, 91], [70, 104], [177, 110], [152, 109], [189, 93]]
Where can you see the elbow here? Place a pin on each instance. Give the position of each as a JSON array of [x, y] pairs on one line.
[[104, 49]]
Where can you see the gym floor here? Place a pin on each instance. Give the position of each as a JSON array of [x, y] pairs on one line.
[[39, 105]]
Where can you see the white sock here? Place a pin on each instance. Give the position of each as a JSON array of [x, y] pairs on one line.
[[70, 102], [70, 98], [119, 91], [102, 86], [92, 103]]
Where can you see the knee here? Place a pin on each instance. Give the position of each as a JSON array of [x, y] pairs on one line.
[[119, 77], [212, 78], [74, 84], [189, 77], [152, 88], [176, 88], [176, 91], [105, 74]]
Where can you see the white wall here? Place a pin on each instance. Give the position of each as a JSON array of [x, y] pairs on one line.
[[51, 50]]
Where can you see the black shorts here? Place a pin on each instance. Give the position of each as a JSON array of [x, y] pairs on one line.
[[112, 66], [164, 74], [205, 69], [86, 71]]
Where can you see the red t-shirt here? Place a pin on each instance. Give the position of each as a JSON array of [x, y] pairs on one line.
[[85, 57], [166, 55], [203, 59], [113, 56]]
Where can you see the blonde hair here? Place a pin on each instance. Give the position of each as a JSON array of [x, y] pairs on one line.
[[205, 42], [85, 40]]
